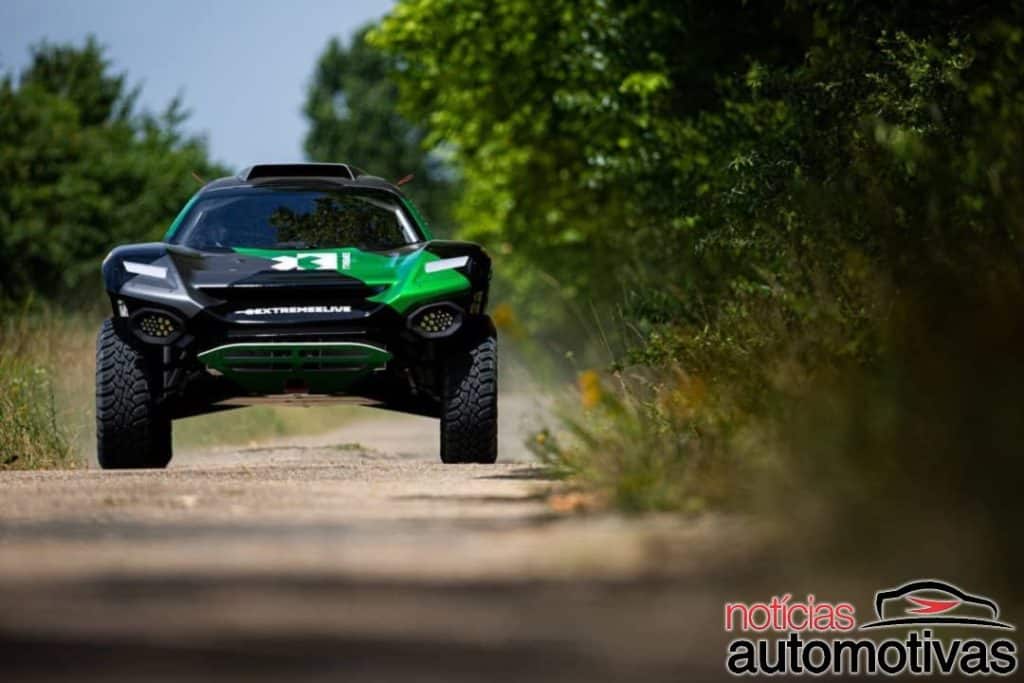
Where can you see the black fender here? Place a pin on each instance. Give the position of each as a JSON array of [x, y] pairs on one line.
[[149, 274]]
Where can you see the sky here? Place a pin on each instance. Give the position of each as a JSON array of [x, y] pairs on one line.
[[241, 66]]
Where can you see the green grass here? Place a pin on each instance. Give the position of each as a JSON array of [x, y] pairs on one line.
[[31, 436]]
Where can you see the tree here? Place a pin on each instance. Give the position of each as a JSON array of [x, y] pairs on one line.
[[81, 171], [352, 108], [692, 162]]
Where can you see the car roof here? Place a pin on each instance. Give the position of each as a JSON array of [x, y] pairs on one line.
[[311, 174]]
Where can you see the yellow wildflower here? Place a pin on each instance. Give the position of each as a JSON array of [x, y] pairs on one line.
[[590, 388], [503, 316]]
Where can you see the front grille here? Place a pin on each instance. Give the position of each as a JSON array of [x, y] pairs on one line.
[[276, 367], [301, 360]]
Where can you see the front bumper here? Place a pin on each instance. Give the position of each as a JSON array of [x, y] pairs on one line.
[[214, 362]]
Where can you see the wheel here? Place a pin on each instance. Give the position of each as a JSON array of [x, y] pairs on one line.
[[130, 431], [469, 411]]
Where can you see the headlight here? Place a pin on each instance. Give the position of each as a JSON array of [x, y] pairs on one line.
[[436, 320], [156, 327]]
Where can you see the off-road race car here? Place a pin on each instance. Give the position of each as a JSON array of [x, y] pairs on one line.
[[300, 284]]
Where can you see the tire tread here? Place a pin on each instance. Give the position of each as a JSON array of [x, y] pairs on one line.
[[130, 432], [469, 418]]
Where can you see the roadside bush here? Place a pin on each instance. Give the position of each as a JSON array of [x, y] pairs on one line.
[[31, 436], [812, 207], [643, 443], [917, 459]]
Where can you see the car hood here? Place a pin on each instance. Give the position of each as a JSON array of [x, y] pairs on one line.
[[398, 278]]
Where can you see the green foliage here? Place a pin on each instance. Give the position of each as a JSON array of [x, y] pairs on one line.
[[81, 170], [776, 196], [352, 107], [673, 155]]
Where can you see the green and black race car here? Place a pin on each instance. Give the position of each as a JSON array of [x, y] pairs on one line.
[[295, 283]]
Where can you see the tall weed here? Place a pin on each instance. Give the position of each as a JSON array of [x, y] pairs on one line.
[[32, 436]]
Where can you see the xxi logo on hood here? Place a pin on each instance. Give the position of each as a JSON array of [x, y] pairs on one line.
[[934, 603], [313, 261]]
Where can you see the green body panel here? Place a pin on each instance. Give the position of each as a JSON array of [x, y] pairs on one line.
[[408, 284], [324, 368]]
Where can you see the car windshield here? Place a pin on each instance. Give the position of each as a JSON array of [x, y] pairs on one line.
[[279, 218]]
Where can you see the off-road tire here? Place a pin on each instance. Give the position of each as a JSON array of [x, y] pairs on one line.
[[130, 431], [469, 411]]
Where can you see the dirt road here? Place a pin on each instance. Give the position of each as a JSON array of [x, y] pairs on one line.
[[351, 556]]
